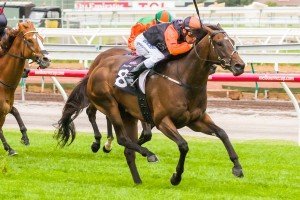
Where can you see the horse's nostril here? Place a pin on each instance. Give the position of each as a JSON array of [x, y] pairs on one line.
[[239, 66], [45, 59]]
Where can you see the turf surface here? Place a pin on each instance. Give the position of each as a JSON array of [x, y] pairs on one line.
[[45, 171]]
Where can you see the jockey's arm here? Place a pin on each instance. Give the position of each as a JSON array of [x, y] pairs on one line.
[[171, 37]]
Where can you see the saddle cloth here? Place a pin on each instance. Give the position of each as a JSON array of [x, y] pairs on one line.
[[127, 67]]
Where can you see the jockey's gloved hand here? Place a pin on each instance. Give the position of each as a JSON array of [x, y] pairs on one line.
[[25, 73]]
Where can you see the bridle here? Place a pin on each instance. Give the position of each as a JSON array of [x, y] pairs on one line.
[[21, 56], [224, 63]]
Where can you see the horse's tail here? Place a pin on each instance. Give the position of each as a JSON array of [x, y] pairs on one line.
[[76, 102]]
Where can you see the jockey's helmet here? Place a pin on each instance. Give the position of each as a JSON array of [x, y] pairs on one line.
[[163, 16], [191, 23]]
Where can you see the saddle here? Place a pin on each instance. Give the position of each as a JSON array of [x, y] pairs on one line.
[[124, 69], [135, 89]]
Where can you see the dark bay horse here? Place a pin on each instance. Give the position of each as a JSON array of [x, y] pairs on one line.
[[173, 104], [26, 44]]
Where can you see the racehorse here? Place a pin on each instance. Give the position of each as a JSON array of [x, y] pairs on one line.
[[26, 44], [176, 95]]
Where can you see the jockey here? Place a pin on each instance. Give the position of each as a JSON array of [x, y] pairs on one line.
[[163, 40], [3, 21], [146, 22], [3, 24]]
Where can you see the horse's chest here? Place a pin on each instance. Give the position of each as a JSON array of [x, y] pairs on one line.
[[6, 102]]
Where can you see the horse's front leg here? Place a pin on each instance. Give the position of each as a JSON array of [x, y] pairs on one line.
[[91, 113], [207, 126], [132, 132], [23, 129], [6, 146], [169, 129]]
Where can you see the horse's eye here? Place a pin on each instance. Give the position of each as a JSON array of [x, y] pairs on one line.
[[219, 43], [30, 41]]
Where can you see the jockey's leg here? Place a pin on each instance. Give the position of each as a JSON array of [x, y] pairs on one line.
[[150, 52]]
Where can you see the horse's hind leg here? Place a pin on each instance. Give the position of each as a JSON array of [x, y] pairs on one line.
[[146, 133], [107, 146], [91, 112], [111, 109], [206, 125], [6, 146], [131, 129], [23, 129]]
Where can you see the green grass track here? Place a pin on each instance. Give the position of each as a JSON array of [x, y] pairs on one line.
[[45, 171]]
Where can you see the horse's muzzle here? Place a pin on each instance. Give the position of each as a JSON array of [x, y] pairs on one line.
[[43, 62], [238, 69]]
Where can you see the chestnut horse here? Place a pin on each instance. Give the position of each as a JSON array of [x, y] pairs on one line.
[[176, 95], [27, 44], [6, 42]]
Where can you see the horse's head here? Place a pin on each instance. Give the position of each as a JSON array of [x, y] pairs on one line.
[[224, 51], [33, 44]]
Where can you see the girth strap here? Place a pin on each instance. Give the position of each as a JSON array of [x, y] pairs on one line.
[[144, 107]]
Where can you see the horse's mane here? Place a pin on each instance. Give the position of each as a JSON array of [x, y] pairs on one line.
[[8, 39]]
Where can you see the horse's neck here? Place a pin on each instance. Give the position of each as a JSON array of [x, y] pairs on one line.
[[194, 70], [11, 68]]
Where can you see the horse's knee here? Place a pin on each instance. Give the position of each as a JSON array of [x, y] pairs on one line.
[[129, 154], [121, 141], [222, 134], [183, 147]]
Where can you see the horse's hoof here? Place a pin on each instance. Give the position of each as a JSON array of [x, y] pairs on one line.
[[139, 182], [12, 152], [238, 172], [175, 180], [95, 147], [25, 142], [105, 150], [152, 158]]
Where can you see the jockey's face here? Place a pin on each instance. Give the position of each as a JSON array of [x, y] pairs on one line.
[[189, 36]]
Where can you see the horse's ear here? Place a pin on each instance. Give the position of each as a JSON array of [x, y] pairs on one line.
[[209, 30], [14, 32], [219, 26]]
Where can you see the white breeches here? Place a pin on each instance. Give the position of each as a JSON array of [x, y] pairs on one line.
[[150, 52]]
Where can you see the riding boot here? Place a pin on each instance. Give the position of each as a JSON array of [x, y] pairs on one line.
[[135, 72]]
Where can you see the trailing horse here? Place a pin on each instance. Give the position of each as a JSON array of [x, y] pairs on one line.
[[176, 95], [26, 44]]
